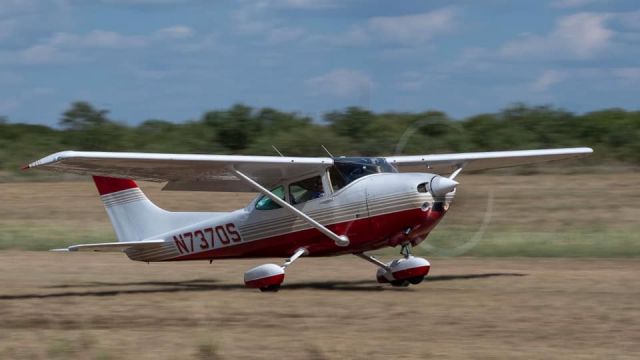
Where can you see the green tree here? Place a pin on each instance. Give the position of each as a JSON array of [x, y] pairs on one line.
[[82, 115], [235, 128], [351, 123], [88, 128]]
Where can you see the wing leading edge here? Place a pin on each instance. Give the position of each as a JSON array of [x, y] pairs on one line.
[[483, 160], [185, 171], [215, 172]]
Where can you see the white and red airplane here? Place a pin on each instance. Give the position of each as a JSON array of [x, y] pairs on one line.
[[311, 206]]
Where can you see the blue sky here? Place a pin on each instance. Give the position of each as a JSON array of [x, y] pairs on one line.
[[175, 59]]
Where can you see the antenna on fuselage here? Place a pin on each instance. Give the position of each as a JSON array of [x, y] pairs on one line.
[[276, 149], [326, 150]]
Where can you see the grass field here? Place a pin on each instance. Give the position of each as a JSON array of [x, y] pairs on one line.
[[104, 306], [543, 215], [87, 306]]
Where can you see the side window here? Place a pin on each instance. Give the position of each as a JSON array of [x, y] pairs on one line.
[[265, 203], [337, 180], [305, 190]]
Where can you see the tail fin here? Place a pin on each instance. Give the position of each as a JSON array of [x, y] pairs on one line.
[[133, 215]]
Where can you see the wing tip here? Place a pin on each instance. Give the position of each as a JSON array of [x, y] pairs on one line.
[[49, 159]]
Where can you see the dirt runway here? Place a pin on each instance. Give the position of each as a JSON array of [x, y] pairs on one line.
[[103, 306]]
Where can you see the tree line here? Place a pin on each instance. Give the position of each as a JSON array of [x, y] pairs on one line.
[[240, 129]]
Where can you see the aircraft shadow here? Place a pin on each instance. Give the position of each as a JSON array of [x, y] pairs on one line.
[[200, 285]]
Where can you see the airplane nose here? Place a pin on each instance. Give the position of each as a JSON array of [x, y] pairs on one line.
[[440, 185]]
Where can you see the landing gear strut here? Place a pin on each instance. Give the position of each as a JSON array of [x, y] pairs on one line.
[[405, 250]]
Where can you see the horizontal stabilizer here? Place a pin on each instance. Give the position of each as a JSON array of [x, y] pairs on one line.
[[113, 246]]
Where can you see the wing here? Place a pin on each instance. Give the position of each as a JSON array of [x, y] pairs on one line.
[[185, 171], [114, 246], [443, 163]]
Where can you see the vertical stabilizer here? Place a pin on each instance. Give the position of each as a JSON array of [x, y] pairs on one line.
[[135, 217]]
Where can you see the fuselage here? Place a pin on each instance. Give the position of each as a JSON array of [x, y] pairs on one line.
[[373, 211]]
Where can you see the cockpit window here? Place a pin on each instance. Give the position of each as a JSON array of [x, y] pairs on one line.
[[305, 190], [265, 203], [346, 170]]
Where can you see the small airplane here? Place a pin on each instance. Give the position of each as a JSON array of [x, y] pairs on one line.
[[306, 206]]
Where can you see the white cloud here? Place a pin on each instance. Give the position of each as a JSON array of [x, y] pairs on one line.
[[581, 35], [69, 47], [548, 79], [257, 19], [413, 29], [175, 32], [408, 30], [343, 83], [42, 54]]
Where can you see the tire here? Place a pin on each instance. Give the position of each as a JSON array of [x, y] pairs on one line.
[[270, 288], [416, 280], [400, 283]]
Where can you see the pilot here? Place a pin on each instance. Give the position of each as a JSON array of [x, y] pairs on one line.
[[317, 191]]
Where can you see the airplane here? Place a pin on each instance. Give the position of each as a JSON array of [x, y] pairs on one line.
[[306, 206]]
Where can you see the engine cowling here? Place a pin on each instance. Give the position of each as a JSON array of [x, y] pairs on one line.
[[404, 269], [264, 276]]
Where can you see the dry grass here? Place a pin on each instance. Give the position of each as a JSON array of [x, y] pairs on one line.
[[103, 306]]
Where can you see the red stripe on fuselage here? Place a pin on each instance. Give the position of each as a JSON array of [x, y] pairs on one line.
[[364, 235], [108, 185]]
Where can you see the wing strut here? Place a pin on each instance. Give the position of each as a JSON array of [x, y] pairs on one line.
[[340, 240]]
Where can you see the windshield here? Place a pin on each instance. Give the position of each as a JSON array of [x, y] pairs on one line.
[[265, 203], [347, 169]]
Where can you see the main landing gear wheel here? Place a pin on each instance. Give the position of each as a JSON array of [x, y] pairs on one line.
[[401, 272], [269, 277]]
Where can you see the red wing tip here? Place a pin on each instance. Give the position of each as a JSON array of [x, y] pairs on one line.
[[25, 167]]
